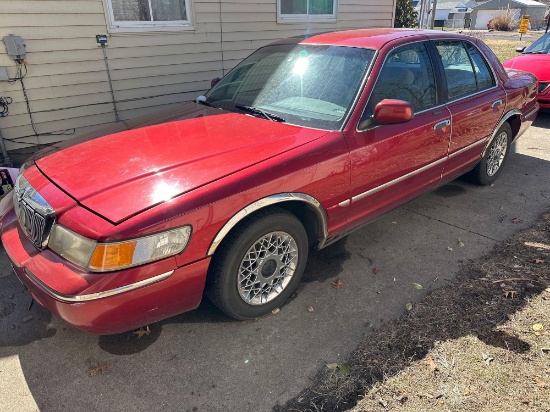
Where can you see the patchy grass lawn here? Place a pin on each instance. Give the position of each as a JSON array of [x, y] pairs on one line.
[[479, 344], [506, 49]]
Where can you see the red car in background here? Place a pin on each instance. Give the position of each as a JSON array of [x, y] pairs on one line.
[[304, 141], [535, 59]]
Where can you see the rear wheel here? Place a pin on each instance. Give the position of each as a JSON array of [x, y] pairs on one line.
[[491, 164], [259, 266]]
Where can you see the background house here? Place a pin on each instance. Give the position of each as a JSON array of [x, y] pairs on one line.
[[450, 13], [484, 12], [160, 52]]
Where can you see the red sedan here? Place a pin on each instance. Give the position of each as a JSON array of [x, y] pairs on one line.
[[298, 145], [536, 59]]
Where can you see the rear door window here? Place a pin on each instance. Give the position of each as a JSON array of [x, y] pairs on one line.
[[466, 70], [461, 79]]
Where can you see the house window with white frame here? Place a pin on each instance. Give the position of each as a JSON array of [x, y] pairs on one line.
[[306, 10], [148, 15]]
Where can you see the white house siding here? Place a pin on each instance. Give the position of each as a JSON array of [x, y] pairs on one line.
[[67, 82]]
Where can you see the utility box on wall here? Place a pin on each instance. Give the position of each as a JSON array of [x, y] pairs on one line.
[[15, 47]]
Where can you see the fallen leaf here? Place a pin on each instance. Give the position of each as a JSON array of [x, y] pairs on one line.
[[460, 243], [409, 306], [141, 332], [99, 368], [338, 284], [417, 286], [275, 311], [539, 260], [539, 381], [450, 249], [538, 326], [344, 369], [375, 270], [402, 399], [310, 308], [430, 363], [488, 359], [509, 294]]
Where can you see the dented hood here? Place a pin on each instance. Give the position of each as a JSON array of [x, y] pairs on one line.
[[122, 174]]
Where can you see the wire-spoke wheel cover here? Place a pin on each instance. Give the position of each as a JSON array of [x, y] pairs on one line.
[[497, 152], [267, 268]]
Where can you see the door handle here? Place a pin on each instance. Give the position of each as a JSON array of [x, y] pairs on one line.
[[496, 104], [442, 124]]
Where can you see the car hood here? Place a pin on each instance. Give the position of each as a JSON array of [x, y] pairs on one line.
[[120, 175], [538, 64]]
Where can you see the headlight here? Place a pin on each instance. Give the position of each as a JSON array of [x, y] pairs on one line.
[[102, 257]]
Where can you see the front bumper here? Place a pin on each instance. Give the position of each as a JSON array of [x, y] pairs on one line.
[[103, 303]]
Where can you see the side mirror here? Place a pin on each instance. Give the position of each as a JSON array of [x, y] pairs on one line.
[[520, 49], [214, 82], [392, 111]]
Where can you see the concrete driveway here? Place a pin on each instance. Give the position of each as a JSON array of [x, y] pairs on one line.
[[203, 361]]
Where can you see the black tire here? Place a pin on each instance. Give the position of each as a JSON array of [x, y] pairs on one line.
[[491, 164], [223, 285]]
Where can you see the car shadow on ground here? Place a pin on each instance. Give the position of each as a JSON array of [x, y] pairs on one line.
[[322, 266], [21, 324]]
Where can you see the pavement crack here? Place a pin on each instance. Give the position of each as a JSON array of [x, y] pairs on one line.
[[450, 224]]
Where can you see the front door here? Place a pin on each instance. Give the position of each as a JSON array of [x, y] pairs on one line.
[[393, 163]]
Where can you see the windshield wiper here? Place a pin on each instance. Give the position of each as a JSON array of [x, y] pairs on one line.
[[264, 114], [202, 100]]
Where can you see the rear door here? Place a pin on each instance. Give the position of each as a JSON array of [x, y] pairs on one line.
[[474, 98]]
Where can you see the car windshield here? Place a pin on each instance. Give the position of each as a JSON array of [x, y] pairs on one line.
[[542, 45], [306, 85]]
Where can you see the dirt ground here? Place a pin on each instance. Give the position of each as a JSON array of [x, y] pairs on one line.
[[481, 343]]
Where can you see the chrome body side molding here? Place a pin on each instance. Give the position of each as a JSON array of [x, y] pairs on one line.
[[399, 179], [98, 295], [268, 201]]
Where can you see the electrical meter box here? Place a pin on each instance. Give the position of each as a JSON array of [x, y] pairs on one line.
[[15, 47]]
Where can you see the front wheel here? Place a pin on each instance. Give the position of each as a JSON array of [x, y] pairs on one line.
[[491, 164], [259, 266]]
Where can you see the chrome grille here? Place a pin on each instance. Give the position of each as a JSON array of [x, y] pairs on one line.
[[543, 86], [34, 214]]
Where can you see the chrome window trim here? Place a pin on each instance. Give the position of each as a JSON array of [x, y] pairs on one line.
[[98, 295], [268, 201], [397, 180]]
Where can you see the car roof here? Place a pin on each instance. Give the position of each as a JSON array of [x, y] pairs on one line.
[[367, 38]]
